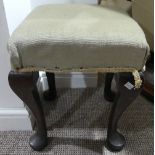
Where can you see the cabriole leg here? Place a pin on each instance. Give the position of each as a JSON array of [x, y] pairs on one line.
[[50, 94], [109, 95], [24, 86], [125, 96]]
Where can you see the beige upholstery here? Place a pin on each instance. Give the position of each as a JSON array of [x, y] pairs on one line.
[[143, 13], [72, 36]]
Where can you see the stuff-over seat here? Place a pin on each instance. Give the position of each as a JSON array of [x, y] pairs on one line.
[[67, 37]]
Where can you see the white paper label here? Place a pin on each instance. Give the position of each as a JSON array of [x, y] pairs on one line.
[[129, 86]]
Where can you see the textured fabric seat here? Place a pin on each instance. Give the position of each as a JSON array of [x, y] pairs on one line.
[[76, 36]]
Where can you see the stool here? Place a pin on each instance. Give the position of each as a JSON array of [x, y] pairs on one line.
[[78, 37]]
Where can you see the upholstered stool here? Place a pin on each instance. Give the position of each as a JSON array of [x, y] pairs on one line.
[[76, 37]]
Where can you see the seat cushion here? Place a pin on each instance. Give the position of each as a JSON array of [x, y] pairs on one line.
[[72, 36]]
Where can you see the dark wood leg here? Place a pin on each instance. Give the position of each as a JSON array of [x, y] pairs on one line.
[[50, 94], [99, 2], [24, 86], [125, 96], [109, 95]]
